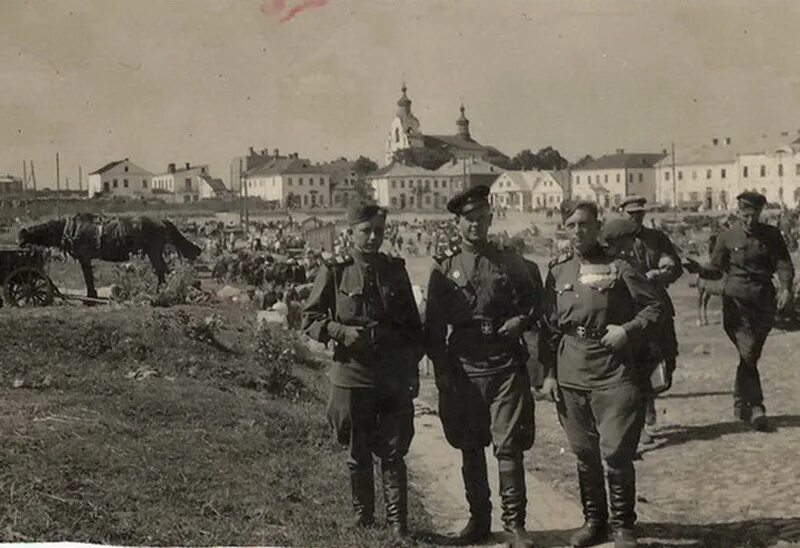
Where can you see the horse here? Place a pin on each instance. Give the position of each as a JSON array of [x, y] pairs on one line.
[[87, 236], [707, 288]]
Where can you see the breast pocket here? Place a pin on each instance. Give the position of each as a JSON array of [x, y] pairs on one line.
[[349, 305]]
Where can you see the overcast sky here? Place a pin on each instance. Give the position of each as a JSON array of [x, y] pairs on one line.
[[201, 80]]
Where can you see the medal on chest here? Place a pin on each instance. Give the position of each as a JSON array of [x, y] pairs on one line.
[[601, 277]]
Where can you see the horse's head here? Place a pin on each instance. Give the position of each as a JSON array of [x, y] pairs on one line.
[[45, 234]]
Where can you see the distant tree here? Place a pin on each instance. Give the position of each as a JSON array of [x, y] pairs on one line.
[[524, 160], [550, 159], [583, 161], [362, 167]]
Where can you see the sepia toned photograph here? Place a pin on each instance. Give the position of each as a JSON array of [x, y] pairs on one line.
[[395, 274]]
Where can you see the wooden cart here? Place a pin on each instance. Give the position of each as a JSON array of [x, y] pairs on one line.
[[23, 277]]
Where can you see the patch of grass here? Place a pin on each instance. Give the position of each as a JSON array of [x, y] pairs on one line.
[[146, 434]]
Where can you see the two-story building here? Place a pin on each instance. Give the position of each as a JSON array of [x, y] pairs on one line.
[[400, 186], [290, 182], [120, 178], [343, 182], [180, 185], [529, 190], [610, 178]]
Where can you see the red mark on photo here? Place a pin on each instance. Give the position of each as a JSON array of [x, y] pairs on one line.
[[279, 8]]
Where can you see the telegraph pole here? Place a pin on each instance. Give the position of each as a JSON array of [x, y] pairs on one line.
[[80, 179], [58, 187], [246, 208], [674, 186], [24, 176], [35, 197]]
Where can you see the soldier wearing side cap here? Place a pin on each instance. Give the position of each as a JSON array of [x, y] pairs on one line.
[[364, 303], [653, 252], [749, 253], [598, 306], [482, 298]]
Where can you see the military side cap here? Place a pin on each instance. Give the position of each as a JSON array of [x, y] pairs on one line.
[[359, 213], [633, 204], [469, 199], [617, 228], [568, 207], [752, 198]]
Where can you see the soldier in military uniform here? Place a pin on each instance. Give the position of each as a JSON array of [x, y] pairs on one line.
[[481, 299], [655, 255], [364, 303], [597, 308], [749, 254]]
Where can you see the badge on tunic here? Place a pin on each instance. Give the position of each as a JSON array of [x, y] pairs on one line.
[[456, 274], [598, 276]]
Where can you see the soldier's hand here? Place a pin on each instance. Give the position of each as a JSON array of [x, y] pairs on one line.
[[691, 266], [654, 274], [615, 337], [348, 335], [784, 300], [550, 390], [513, 327]]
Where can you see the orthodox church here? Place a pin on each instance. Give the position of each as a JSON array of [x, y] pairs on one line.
[[405, 135]]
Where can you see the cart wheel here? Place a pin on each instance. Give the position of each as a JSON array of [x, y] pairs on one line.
[[27, 286]]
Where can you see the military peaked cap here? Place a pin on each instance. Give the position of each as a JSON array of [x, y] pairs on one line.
[[617, 228], [752, 198], [633, 203], [469, 199], [359, 213]]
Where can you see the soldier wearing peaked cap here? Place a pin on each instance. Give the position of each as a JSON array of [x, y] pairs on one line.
[[596, 308], [655, 255], [748, 254], [482, 298], [364, 303]]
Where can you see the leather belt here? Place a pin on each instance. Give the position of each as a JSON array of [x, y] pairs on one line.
[[487, 326], [585, 333]]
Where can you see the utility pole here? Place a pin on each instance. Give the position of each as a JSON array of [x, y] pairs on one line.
[[58, 187], [24, 176], [80, 179], [246, 209], [35, 207], [674, 186], [241, 195]]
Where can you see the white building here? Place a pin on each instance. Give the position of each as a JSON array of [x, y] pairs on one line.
[[774, 171], [120, 178], [180, 185], [529, 190], [342, 182], [398, 186], [613, 177], [290, 182]]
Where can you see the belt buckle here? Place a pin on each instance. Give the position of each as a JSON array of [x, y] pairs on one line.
[[487, 328], [581, 332]]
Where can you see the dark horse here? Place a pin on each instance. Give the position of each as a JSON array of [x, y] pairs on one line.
[[87, 236]]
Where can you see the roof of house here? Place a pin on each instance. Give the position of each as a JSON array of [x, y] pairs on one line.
[[622, 160], [530, 180], [472, 167], [10, 179], [286, 166], [398, 169], [181, 170], [108, 166], [216, 184], [460, 143]]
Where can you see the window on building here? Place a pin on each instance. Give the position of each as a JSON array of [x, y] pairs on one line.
[[305, 199], [393, 201], [680, 175], [394, 184], [125, 183], [578, 177], [396, 137], [605, 178], [763, 171], [723, 173], [188, 184], [311, 181], [289, 181], [597, 178], [126, 169], [641, 177], [115, 183], [617, 199], [797, 169], [630, 177], [144, 183], [666, 175], [763, 191], [299, 181], [694, 196], [780, 170], [745, 171], [708, 174]]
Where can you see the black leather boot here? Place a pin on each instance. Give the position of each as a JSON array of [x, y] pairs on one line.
[[363, 489], [591, 482], [395, 495], [514, 500], [622, 495], [476, 486]]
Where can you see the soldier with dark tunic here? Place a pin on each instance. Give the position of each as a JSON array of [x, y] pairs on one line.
[[364, 303], [748, 254], [482, 297], [655, 255], [597, 309]]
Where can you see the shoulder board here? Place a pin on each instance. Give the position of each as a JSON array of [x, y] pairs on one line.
[[339, 260], [447, 254], [560, 258]]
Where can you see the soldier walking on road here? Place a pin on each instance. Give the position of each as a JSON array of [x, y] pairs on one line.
[[364, 302], [749, 254], [657, 258], [487, 296], [597, 309]]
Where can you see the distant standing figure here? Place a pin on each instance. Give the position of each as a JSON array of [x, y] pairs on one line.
[[748, 254]]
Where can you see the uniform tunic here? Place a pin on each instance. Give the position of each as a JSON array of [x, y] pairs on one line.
[[601, 407], [749, 259], [370, 407], [472, 292]]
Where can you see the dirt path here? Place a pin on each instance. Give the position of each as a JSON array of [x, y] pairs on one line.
[[436, 473]]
